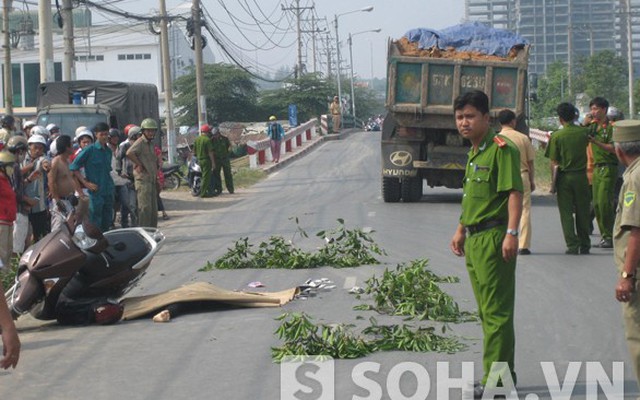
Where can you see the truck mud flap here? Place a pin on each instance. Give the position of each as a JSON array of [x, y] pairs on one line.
[[397, 160]]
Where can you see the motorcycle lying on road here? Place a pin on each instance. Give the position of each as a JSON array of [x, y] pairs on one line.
[[76, 273]]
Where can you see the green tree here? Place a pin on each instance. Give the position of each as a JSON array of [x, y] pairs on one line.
[[604, 74], [310, 94], [552, 90], [230, 94]]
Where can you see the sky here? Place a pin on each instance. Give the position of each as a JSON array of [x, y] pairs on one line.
[[276, 34]]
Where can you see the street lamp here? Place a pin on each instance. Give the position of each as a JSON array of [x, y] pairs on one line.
[[353, 97], [335, 22]]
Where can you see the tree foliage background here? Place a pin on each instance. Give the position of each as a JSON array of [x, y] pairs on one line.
[[603, 74], [234, 95], [230, 91]]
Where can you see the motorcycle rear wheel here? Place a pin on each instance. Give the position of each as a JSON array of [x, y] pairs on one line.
[[172, 181]]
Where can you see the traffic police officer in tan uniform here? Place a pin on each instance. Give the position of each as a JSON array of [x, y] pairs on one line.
[[626, 234], [487, 234]]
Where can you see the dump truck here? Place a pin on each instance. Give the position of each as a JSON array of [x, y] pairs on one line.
[[420, 141], [70, 104]]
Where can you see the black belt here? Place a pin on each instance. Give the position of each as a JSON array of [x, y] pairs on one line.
[[574, 171], [484, 225], [605, 164]]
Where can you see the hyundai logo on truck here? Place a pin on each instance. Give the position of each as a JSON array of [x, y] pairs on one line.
[[401, 158]]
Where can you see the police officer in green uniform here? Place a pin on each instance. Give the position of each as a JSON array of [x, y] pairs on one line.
[[221, 145], [487, 234], [605, 171], [626, 234], [567, 151], [203, 149]]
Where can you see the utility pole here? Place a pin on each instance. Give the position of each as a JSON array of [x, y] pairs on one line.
[[328, 47], [45, 37], [632, 111], [569, 54], [8, 83], [166, 75], [197, 40], [68, 70], [298, 10]]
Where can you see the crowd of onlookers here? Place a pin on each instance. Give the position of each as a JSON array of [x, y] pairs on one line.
[[98, 173]]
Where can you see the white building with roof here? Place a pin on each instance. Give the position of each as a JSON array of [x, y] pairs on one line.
[[129, 53]]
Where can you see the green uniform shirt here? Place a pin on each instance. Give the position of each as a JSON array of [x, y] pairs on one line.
[[568, 148], [221, 147], [603, 134], [628, 213], [491, 173], [202, 146]]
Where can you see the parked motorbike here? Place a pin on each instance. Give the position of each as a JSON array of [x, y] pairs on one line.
[[172, 176], [77, 270], [194, 176]]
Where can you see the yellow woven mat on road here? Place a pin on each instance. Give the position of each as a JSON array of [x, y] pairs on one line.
[[135, 307]]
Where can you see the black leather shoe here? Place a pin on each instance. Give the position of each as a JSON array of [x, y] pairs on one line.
[[572, 251], [605, 244], [585, 251], [524, 252], [478, 390]]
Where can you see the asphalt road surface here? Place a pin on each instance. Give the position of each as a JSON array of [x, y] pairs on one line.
[[566, 311]]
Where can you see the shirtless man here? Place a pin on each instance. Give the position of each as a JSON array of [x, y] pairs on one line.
[[61, 182]]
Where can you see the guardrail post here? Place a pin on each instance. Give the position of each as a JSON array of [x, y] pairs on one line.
[[324, 124], [253, 154]]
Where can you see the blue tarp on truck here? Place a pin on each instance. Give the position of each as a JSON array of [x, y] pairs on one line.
[[472, 36]]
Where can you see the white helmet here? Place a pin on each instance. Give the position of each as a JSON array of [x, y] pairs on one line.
[[37, 139], [40, 130], [80, 129], [85, 132], [53, 149], [52, 126], [28, 124]]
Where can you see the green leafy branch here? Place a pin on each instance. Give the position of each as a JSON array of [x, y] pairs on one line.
[[304, 338], [412, 290], [342, 248]]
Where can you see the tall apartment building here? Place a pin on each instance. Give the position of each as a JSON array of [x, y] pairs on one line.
[[563, 30]]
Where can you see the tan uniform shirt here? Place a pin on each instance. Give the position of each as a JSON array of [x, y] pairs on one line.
[[335, 108], [628, 213], [522, 142], [143, 149]]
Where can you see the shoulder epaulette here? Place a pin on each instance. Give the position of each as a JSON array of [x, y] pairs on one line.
[[499, 141]]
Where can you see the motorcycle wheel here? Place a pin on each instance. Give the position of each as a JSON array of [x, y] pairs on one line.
[[172, 181], [195, 187]]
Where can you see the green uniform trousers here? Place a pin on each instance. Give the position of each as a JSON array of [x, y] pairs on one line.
[[206, 186], [574, 198], [494, 285], [225, 166], [147, 196], [604, 182]]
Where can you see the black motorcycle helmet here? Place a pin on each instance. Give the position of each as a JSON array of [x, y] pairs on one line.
[[17, 143], [7, 121]]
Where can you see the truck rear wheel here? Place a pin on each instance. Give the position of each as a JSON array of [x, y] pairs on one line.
[[411, 189], [391, 192]]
